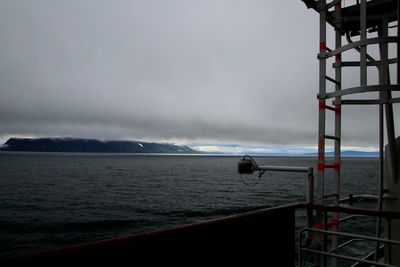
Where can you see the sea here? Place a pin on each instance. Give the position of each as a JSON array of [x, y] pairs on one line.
[[51, 200]]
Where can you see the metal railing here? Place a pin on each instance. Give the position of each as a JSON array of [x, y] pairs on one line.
[[336, 255], [305, 247]]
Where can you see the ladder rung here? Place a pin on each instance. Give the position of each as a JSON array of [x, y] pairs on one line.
[[321, 166], [367, 101], [336, 108], [357, 63], [332, 137], [330, 108], [332, 80]]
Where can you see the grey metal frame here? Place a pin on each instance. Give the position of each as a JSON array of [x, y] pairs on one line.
[[384, 101], [353, 236], [308, 170]]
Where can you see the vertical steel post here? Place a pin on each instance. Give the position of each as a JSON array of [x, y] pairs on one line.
[[382, 98], [363, 49], [380, 189], [310, 195], [386, 96], [338, 87], [398, 45], [391, 173], [321, 122], [322, 103], [381, 158]]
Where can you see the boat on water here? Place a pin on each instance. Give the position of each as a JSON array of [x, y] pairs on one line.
[[269, 236]]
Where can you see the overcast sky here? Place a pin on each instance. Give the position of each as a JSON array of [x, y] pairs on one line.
[[193, 72]]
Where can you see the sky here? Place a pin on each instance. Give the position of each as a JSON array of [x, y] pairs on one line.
[[212, 74]]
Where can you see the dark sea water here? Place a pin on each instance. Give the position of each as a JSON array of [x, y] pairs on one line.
[[50, 200]]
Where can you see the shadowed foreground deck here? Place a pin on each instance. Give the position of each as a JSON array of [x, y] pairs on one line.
[[263, 236]]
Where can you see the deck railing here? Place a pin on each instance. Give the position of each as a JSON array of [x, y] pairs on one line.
[[371, 259]]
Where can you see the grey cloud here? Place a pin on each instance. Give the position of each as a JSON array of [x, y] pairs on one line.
[[224, 71]]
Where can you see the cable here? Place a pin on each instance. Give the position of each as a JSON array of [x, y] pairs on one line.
[[249, 184]]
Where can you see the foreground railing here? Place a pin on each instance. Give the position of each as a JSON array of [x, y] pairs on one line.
[[265, 235], [370, 260]]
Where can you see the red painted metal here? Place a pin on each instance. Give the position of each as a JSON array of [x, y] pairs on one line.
[[322, 46]]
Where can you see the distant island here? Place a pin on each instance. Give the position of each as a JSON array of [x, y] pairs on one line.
[[351, 153], [371, 154], [81, 145]]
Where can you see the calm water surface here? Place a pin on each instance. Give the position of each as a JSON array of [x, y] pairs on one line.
[[51, 200]]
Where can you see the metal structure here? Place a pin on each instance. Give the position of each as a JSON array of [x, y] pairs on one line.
[[374, 25]]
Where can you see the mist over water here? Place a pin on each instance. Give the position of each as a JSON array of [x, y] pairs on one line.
[[51, 200]]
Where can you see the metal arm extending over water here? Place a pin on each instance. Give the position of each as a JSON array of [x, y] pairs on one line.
[[247, 165]]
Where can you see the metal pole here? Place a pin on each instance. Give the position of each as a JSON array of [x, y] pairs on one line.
[[381, 158], [386, 96], [365, 237], [398, 45], [317, 238], [322, 103], [363, 49], [308, 170], [338, 87], [381, 168], [370, 263], [310, 197]]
